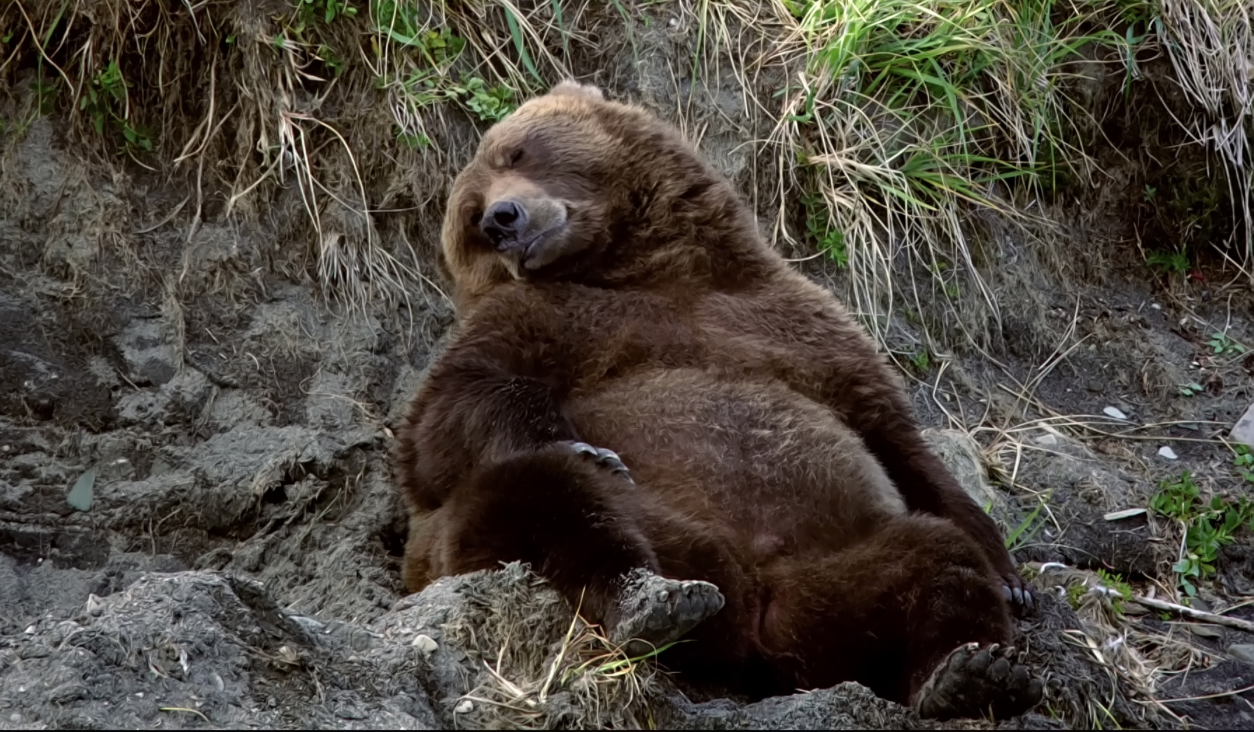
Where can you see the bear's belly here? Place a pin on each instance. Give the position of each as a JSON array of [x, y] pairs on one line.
[[755, 457]]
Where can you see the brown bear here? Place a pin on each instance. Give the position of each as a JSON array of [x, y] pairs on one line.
[[643, 400]]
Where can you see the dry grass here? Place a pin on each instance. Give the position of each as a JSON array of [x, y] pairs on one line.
[[896, 121], [540, 671], [1137, 658], [1211, 47], [613, 691]]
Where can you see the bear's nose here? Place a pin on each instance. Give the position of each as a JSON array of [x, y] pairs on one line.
[[503, 220]]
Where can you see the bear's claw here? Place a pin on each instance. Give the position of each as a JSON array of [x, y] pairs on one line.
[[603, 457], [654, 611], [1019, 596], [974, 680]]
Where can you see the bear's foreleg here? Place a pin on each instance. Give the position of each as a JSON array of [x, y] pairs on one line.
[[561, 511], [491, 461]]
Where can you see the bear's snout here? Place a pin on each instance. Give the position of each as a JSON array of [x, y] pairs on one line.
[[503, 221]]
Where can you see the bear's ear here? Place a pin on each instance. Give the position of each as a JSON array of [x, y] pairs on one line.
[[575, 89]]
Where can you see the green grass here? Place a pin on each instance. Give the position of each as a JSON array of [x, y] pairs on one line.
[[425, 67], [1027, 528], [913, 111]]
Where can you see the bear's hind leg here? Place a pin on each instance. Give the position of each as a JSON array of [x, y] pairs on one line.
[[894, 612], [569, 511]]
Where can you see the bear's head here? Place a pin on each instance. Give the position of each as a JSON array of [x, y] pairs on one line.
[[572, 187]]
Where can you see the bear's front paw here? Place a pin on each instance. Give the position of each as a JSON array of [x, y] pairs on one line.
[[1017, 592], [604, 458]]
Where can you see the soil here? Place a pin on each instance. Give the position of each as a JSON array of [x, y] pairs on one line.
[[238, 563]]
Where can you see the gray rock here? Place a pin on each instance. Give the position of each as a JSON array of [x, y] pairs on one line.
[[1242, 652], [172, 647], [150, 356], [961, 455]]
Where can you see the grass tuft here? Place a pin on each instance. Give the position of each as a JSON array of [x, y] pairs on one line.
[[912, 115]]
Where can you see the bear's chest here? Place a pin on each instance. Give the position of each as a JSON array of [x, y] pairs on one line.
[[624, 333]]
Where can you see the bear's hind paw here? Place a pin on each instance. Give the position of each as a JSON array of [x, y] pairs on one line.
[[975, 680], [654, 611]]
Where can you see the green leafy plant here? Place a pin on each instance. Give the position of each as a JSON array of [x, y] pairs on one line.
[[1244, 462], [489, 103], [1115, 581], [1191, 389], [108, 87], [1171, 262], [413, 142], [429, 78], [331, 59], [1176, 499], [104, 102], [821, 232], [1222, 344], [401, 23], [45, 90], [1075, 593], [326, 10], [1208, 526], [138, 136]]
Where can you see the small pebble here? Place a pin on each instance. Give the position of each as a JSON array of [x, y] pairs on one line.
[[426, 644], [465, 706], [1113, 412], [1167, 452]]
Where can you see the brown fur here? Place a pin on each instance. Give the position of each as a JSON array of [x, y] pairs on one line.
[[772, 447]]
